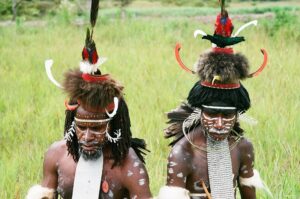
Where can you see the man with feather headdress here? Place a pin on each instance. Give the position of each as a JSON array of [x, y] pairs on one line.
[[98, 158], [210, 157]]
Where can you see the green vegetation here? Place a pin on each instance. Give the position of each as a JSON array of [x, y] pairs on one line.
[[140, 53]]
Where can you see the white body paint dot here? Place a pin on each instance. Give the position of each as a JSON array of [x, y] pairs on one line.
[[135, 164], [141, 182], [142, 171], [129, 173], [180, 175]]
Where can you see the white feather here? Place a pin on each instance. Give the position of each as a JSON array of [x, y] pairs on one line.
[[199, 32], [48, 65], [254, 22], [86, 67]]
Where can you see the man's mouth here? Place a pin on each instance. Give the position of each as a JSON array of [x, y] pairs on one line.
[[218, 135], [89, 146]]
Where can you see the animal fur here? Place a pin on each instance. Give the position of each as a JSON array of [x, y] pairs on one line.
[[38, 192], [167, 192], [98, 94], [231, 67]]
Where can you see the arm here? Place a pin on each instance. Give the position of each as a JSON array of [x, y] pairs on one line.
[[177, 172], [246, 171], [135, 177], [49, 183]]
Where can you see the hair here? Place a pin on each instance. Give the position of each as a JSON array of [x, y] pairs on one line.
[[238, 97]]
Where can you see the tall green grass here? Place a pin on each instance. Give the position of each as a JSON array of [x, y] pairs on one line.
[[141, 56]]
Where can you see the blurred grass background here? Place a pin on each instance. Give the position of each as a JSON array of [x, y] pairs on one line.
[[140, 53]]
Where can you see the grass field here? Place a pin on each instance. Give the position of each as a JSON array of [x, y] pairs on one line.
[[141, 56]]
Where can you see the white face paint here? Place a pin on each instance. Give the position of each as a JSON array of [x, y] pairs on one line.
[[218, 125], [225, 124]]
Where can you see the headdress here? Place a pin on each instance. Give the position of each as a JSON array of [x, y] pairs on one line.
[[220, 71], [88, 87]]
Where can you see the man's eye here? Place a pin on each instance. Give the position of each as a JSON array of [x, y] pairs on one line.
[[96, 128]]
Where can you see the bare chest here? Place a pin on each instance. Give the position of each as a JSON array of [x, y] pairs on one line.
[[199, 171], [110, 184]]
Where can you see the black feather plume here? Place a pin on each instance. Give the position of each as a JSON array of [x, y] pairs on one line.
[[94, 12]]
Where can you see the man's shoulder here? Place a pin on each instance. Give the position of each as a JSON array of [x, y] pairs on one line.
[[130, 157], [181, 152], [245, 144], [57, 147]]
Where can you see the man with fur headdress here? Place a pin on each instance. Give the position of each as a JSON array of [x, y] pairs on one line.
[[210, 157], [98, 158]]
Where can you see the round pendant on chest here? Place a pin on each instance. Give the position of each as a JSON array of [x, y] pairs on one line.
[[105, 186]]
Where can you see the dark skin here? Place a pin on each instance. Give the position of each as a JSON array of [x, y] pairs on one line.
[[187, 165], [128, 180]]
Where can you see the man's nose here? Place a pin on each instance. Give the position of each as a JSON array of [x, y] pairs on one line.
[[219, 123], [88, 136]]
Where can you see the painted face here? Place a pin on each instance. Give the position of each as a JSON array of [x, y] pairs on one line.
[[91, 129], [217, 122]]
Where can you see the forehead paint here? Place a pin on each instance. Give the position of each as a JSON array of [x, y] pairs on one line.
[[208, 118], [171, 170], [141, 182], [129, 173], [92, 120]]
